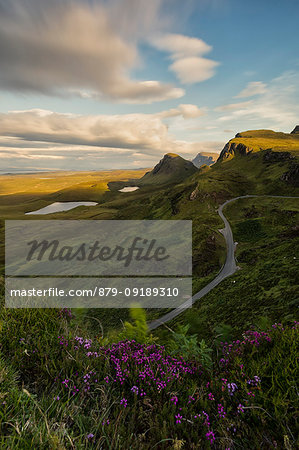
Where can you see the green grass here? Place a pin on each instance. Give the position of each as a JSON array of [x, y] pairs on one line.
[[267, 253], [268, 139], [264, 291]]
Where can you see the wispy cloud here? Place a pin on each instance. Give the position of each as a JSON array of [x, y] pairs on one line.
[[275, 107], [187, 111], [253, 88], [233, 106], [68, 47]]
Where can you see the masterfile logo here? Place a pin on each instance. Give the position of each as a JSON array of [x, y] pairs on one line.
[[98, 264], [98, 247]]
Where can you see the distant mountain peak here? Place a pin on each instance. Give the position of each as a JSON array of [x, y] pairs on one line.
[[171, 155], [295, 130], [204, 158]]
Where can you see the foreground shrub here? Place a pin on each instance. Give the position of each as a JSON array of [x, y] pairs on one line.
[[146, 396]]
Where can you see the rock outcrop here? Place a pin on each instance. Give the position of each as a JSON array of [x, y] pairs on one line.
[[270, 156], [292, 175], [295, 130], [232, 149]]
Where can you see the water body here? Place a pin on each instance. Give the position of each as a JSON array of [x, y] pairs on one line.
[[129, 189], [60, 206]]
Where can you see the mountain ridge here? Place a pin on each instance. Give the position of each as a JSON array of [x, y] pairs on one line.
[[253, 141], [171, 168]]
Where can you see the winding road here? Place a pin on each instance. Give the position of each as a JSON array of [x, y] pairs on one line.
[[229, 268]]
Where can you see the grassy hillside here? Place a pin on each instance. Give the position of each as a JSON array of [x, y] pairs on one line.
[[171, 169], [266, 284], [257, 140], [80, 379]]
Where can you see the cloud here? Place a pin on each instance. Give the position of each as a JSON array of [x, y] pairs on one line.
[[233, 106], [187, 111], [94, 141], [124, 131], [181, 46], [276, 108], [194, 69], [70, 48], [253, 88], [189, 65]]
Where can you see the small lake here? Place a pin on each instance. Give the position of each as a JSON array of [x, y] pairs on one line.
[[60, 206], [129, 189]]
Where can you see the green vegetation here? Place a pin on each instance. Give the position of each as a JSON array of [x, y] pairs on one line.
[[268, 139], [77, 392], [171, 169], [84, 379], [267, 283]]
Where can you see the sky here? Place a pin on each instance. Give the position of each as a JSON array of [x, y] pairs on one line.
[[107, 84]]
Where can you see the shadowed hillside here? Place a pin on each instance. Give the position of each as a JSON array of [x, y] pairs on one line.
[[172, 168]]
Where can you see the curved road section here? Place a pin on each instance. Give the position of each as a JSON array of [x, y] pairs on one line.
[[229, 268]]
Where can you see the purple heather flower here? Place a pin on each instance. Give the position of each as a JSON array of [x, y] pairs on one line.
[[124, 402], [211, 396], [232, 387], [210, 436], [135, 390], [178, 418], [174, 399], [240, 408], [221, 411], [89, 436]]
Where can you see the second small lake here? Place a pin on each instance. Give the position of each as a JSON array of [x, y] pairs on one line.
[[129, 189]]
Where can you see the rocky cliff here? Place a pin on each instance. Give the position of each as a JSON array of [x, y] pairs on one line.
[[232, 149], [295, 130]]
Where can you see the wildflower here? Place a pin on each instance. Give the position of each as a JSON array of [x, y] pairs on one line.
[[255, 381], [174, 399], [240, 408], [210, 436], [207, 419], [211, 396], [221, 411], [89, 436], [232, 387], [251, 394], [65, 312], [135, 389], [124, 402], [178, 418]]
